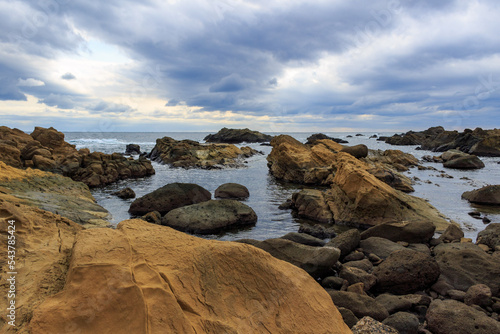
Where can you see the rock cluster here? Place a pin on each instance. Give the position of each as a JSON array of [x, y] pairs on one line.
[[46, 149], [191, 154], [236, 136], [477, 142]]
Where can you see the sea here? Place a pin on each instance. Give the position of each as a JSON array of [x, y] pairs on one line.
[[267, 193]]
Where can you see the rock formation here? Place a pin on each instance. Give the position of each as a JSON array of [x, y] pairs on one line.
[[46, 149], [145, 278], [236, 136], [191, 154]]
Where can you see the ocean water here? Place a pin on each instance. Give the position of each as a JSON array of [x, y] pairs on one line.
[[266, 193]]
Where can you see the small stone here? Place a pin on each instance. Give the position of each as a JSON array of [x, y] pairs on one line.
[[457, 295], [403, 322], [374, 258], [479, 294], [484, 247], [358, 288], [474, 214], [349, 318], [465, 240], [486, 220], [332, 282], [354, 256]]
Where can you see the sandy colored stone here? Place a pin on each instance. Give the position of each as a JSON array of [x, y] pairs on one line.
[[144, 278]]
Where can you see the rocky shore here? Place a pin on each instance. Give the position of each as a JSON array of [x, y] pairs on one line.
[[399, 266]]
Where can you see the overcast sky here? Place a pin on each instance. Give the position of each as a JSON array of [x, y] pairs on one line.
[[273, 65]]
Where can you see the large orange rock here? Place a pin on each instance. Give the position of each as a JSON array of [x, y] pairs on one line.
[[292, 161], [359, 198], [144, 278], [43, 252]]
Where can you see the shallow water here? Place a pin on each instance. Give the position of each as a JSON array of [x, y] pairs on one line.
[[266, 194]]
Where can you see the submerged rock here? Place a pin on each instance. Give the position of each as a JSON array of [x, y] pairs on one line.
[[155, 280], [210, 217], [465, 162], [125, 193], [236, 136], [169, 197]]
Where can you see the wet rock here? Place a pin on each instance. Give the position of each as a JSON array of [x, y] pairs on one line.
[[465, 264], [360, 305], [488, 195], [317, 261], [311, 204], [466, 162], [319, 136], [406, 271], [125, 193], [131, 149], [232, 190], [358, 151], [403, 322], [450, 316], [346, 241], [210, 217], [354, 256], [133, 265], [318, 231], [380, 246], [490, 236], [236, 136], [169, 197], [486, 220], [478, 294], [303, 238], [412, 231]]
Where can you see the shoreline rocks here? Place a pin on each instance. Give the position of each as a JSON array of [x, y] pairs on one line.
[[237, 136], [191, 154], [488, 195], [47, 150], [232, 190]]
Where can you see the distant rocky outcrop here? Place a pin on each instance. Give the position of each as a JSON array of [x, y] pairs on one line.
[[478, 141], [191, 154], [52, 192], [319, 136], [47, 150], [145, 278], [236, 136], [132, 149]]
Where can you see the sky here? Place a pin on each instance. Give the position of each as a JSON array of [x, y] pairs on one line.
[[273, 65]]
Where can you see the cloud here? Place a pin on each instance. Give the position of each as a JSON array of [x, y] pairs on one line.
[[373, 63], [68, 76], [30, 82]]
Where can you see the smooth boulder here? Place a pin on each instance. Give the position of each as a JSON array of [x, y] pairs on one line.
[[360, 305], [490, 236], [358, 151], [152, 279], [380, 246], [232, 190], [125, 193], [169, 197], [465, 162], [211, 216]]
